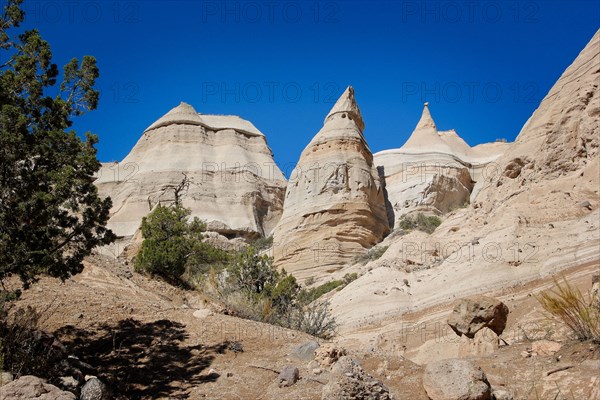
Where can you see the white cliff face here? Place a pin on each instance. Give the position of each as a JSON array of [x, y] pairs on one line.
[[535, 217], [435, 171], [334, 205], [234, 184]]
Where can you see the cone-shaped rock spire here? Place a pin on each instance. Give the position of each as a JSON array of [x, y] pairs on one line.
[[347, 108], [426, 137], [334, 206], [426, 121]]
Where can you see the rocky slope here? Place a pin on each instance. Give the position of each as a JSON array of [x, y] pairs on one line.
[[334, 205], [234, 183], [536, 217]]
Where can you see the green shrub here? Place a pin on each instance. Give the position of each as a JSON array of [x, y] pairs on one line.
[[262, 243], [172, 244], [251, 287], [421, 222], [373, 253], [315, 319], [307, 296], [570, 306]]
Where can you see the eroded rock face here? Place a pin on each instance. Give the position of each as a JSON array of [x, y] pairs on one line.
[[30, 387], [455, 379], [434, 171], [475, 313], [334, 205], [234, 184]]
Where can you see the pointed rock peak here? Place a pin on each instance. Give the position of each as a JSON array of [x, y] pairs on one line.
[[346, 104], [426, 120], [182, 114]]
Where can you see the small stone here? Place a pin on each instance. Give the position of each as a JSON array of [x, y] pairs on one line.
[[229, 374], [201, 314], [317, 371], [6, 377], [68, 383], [545, 347], [501, 394], [94, 389], [288, 376]]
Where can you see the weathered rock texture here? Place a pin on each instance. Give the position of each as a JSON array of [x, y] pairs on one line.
[[30, 387], [334, 205], [349, 381], [435, 171], [234, 184], [475, 313], [536, 217], [455, 379]]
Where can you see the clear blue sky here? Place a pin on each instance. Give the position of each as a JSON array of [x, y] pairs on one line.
[[483, 65]]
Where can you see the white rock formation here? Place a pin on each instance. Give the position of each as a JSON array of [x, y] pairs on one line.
[[234, 183], [334, 205], [537, 217], [435, 171]]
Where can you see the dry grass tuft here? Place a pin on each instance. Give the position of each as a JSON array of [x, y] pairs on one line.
[[569, 305]]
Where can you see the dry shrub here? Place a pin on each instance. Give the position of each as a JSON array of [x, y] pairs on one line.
[[577, 311], [24, 348]]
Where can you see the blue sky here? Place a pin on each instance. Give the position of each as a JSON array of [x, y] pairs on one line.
[[483, 66]]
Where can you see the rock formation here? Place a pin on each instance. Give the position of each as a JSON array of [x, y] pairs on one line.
[[435, 171], [232, 181], [334, 205], [535, 217]]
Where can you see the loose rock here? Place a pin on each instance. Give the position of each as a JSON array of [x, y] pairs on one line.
[[454, 379], [288, 376], [475, 313]]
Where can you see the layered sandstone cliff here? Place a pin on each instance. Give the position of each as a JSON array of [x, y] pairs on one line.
[[535, 217], [233, 182], [334, 205], [434, 171]]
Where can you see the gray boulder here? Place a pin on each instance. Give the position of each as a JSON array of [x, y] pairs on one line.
[[305, 351], [288, 376], [455, 379], [94, 389], [475, 313]]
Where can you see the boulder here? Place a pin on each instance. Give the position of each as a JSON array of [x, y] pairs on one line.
[[349, 381], [288, 375], [455, 379], [94, 389], [305, 351], [31, 387], [501, 394], [334, 206], [484, 343], [475, 313]]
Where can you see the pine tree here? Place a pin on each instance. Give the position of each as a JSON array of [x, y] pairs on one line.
[[50, 214]]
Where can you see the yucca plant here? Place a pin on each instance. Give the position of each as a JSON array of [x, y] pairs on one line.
[[569, 305]]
